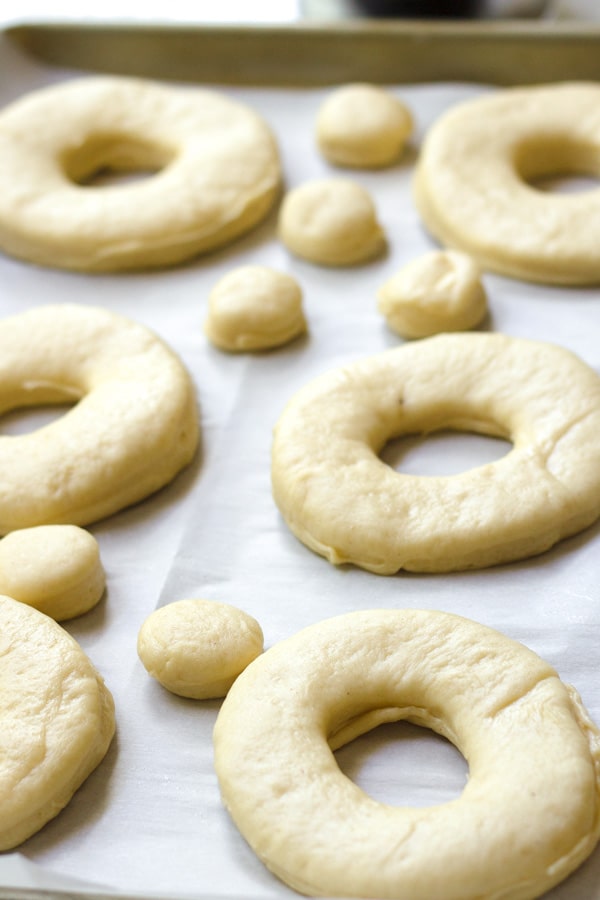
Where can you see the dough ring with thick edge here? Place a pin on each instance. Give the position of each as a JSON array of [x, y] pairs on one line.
[[134, 424], [341, 500], [56, 720], [472, 177], [528, 816], [216, 164]]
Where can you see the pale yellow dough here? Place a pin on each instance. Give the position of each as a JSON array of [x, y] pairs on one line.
[[56, 568], [362, 126], [254, 308], [56, 720], [439, 291], [345, 503], [528, 816], [473, 177], [215, 163], [134, 424], [197, 648], [332, 222]]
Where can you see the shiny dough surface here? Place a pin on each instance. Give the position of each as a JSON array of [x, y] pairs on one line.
[[473, 181], [56, 720], [213, 173], [345, 503], [528, 816], [55, 568], [133, 425]]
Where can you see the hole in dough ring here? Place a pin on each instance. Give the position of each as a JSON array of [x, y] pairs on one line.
[[218, 173], [56, 720], [134, 424], [471, 182], [528, 816], [345, 503]]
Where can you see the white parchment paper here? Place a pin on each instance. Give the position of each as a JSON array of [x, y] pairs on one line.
[[149, 821]]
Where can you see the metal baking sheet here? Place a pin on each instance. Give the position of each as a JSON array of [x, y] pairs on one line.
[[149, 823], [392, 52]]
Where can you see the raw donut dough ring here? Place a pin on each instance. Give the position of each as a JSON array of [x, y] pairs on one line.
[[343, 502], [56, 720], [197, 648], [218, 173], [528, 816], [134, 427], [471, 181], [55, 568]]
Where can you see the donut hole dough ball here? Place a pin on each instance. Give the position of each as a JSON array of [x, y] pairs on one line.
[[439, 291], [363, 126], [254, 308], [345, 503], [332, 222], [134, 427], [197, 648], [56, 568], [473, 184], [528, 816], [56, 720], [216, 165]]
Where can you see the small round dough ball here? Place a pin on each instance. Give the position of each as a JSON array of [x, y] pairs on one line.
[[363, 126], [438, 292], [55, 568], [197, 648], [331, 221], [254, 308]]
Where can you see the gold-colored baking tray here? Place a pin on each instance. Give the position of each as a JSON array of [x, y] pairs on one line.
[[315, 54]]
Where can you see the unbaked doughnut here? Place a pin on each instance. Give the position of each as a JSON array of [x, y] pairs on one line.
[[197, 648], [331, 221], [254, 308], [56, 568], [472, 187], [134, 424], [528, 816], [56, 720], [438, 291], [362, 126], [216, 165], [345, 503]]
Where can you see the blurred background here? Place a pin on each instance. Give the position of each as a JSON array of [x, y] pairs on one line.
[[265, 11]]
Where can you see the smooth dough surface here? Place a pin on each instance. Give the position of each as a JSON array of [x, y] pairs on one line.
[[213, 167], [134, 424], [474, 173], [55, 568], [362, 126], [345, 503], [254, 308], [332, 222], [197, 648], [56, 720], [438, 291], [528, 816]]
